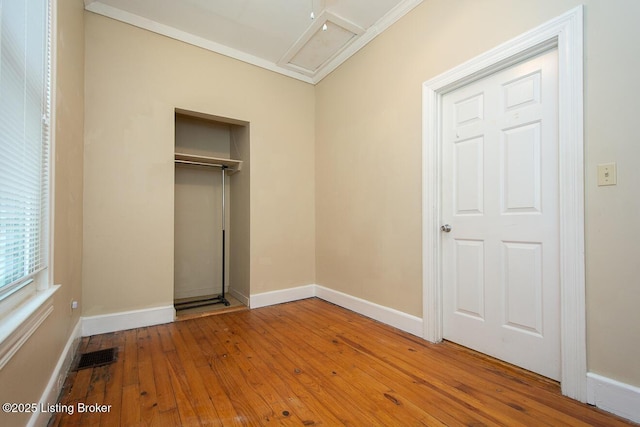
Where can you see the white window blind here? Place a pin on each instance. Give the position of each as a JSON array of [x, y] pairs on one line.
[[24, 140]]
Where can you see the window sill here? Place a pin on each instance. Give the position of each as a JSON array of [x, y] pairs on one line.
[[23, 321]]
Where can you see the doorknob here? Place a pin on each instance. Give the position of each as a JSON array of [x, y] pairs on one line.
[[446, 228]]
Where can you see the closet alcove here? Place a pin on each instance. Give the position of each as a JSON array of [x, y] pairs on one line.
[[211, 213]]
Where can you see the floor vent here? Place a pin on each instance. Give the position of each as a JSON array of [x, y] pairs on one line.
[[97, 358]]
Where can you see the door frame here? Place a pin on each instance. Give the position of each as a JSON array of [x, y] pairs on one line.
[[564, 33]]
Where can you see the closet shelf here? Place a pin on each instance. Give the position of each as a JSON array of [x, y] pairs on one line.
[[191, 159]]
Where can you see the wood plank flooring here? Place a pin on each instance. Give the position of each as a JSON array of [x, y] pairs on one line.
[[306, 363]]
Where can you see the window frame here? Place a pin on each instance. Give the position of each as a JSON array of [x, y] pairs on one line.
[[26, 303]]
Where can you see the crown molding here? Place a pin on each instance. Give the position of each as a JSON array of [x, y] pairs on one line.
[[358, 42]]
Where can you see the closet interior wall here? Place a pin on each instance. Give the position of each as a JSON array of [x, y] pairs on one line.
[[240, 219], [198, 210]]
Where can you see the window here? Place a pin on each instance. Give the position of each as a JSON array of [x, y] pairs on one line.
[[25, 105]]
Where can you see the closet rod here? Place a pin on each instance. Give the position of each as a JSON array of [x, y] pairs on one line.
[[187, 162]]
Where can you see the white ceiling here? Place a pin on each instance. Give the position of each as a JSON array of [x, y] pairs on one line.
[[278, 35]]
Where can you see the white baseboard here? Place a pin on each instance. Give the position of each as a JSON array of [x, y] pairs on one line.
[[386, 315], [56, 381], [389, 316], [278, 297], [121, 321], [154, 316], [613, 396], [609, 395]]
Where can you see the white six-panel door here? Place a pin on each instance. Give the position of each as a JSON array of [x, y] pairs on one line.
[[500, 261]]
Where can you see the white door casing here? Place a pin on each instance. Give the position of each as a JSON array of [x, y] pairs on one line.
[[500, 264], [565, 33]]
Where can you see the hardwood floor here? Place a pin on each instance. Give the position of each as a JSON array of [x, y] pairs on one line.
[[306, 363]]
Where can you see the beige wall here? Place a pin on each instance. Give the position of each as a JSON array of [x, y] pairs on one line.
[[69, 149], [25, 377], [368, 159], [366, 204], [134, 80]]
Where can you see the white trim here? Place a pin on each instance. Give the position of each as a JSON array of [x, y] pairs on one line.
[[278, 297], [154, 316], [386, 315], [123, 320], [20, 324], [386, 21], [174, 33], [566, 34], [614, 396], [56, 381], [53, 91]]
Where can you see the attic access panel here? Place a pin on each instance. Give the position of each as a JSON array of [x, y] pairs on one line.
[[316, 47]]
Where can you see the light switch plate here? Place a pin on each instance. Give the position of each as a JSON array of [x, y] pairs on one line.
[[607, 174]]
